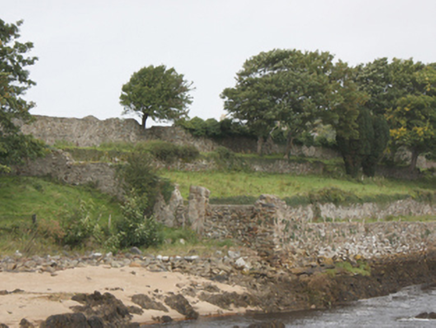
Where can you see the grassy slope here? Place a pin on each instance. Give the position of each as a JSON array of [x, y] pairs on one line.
[[20, 197], [224, 185], [23, 196]]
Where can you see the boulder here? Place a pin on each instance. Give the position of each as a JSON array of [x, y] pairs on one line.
[[181, 305]]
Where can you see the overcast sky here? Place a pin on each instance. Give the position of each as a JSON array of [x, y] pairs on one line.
[[88, 49]]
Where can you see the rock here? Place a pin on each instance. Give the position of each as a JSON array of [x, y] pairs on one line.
[[115, 264], [241, 264], [95, 322], [24, 323], [181, 305], [225, 299], [426, 315], [233, 255], [147, 303], [135, 310], [191, 258], [135, 250], [166, 318], [106, 307], [68, 320]]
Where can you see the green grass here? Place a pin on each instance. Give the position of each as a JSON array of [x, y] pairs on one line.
[[50, 201], [23, 196], [361, 268], [234, 184]]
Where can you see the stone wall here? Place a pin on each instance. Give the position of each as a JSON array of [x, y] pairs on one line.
[[90, 131], [61, 166], [279, 232]]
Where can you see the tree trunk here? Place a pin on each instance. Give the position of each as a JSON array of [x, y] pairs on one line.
[[260, 141], [144, 119], [414, 160], [289, 145]]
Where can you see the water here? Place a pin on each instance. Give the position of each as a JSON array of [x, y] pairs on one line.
[[395, 310]]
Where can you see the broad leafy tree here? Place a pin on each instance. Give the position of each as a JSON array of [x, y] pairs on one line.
[[158, 93], [280, 87], [361, 134], [413, 119], [345, 117], [14, 81]]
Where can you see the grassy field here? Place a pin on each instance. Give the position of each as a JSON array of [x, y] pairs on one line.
[[227, 185]]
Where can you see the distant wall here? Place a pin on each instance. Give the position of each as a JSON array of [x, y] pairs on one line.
[[90, 131]]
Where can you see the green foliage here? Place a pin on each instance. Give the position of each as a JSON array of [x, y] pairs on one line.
[[174, 235], [80, 227], [413, 119], [169, 153], [227, 160], [14, 81], [135, 229], [361, 267], [140, 179], [156, 92], [211, 128], [285, 86]]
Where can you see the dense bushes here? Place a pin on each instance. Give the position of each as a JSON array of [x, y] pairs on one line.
[[227, 160], [213, 129], [169, 153], [135, 229]]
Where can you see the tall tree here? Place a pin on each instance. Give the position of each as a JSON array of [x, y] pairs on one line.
[[345, 117], [289, 87], [413, 120], [158, 93], [14, 81]]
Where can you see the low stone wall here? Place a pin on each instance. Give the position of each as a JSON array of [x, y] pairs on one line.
[[279, 233], [61, 166]]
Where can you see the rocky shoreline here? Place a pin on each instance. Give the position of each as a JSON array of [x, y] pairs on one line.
[[224, 283]]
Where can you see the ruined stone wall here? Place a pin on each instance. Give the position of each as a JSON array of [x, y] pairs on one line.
[[61, 166], [90, 131], [279, 232], [85, 132]]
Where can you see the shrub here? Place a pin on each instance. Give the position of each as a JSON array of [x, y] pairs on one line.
[[213, 128], [227, 160], [164, 151], [169, 153], [135, 229], [139, 175], [140, 179], [79, 227]]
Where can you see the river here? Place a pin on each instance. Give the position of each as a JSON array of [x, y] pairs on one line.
[[395, 310]]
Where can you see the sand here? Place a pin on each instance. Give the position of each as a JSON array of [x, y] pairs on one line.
[[44, 294]]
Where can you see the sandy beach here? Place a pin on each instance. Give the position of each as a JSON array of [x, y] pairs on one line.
[[36, 296]]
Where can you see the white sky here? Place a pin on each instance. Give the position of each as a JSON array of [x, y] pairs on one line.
[[88, 49]]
